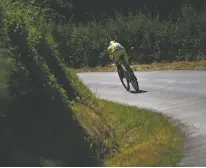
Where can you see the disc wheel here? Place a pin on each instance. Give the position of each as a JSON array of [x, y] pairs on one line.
[[135, 85]]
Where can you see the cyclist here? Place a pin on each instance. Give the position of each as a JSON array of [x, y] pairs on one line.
[[117, 52]]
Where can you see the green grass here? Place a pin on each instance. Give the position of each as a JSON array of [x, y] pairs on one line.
[[140, 133], [164, 65], [143, 137]]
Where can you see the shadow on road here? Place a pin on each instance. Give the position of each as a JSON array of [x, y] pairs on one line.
[[140, 91]]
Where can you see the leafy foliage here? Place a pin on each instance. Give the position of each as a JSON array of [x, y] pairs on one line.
[[41, 89], [153, 40]]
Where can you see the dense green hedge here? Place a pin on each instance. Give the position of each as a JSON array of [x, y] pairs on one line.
[[39, 127], [154, 40]]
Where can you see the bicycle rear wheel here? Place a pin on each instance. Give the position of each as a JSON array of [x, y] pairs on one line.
[[135, 85], [133, 80]]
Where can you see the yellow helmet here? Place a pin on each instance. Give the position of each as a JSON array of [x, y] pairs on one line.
[[111, 42]]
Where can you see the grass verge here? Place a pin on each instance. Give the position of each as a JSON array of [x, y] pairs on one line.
[[121, 135], [181, 65], [125, 135]]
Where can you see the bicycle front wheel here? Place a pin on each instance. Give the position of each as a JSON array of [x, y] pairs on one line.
[[122, 76]]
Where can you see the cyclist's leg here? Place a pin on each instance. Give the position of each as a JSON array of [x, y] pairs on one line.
[[126, 60], [118, 56], [131, 71]]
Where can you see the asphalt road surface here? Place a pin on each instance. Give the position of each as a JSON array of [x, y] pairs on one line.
[[178, 94]]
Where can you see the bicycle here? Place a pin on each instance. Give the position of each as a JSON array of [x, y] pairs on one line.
[[123, 72]]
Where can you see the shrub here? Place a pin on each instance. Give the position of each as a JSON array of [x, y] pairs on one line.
[[153, 40]]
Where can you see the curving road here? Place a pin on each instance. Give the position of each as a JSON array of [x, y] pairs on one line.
[[179, 94]]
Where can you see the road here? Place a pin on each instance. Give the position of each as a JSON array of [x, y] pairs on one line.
[[178, 94]]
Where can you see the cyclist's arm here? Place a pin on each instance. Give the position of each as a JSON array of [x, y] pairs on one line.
[[110, 50]]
